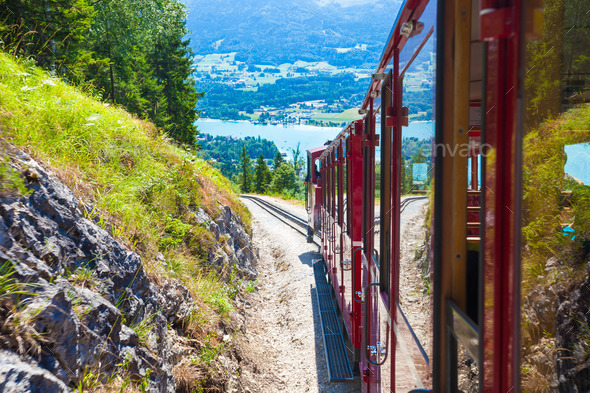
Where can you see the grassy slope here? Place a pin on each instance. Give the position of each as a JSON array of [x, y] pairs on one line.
[[543, 215], [143, 185], [544, 181]]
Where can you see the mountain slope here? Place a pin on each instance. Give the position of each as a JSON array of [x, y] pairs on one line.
[[271, 32]]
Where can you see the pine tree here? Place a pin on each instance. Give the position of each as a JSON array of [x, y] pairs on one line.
[[172, 61], [261, 176], [419, 157], [278, 161], [406, 176], [246, 185], [298, 160], [53, 33]]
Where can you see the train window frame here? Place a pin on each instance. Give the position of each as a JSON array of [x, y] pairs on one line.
[[348, 185], [385, 192]]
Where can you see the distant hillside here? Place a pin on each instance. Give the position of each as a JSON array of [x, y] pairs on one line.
[[272, 32]]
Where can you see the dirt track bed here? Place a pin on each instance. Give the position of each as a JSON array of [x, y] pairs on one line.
[[283, 331]]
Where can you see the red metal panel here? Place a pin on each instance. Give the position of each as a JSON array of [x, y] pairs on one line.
[[371, 373], [500, 324], [340, 239]]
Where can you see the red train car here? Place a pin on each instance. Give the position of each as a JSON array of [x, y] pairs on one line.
[[468, 55]]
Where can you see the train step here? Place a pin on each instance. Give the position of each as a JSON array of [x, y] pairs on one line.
[[339, 368]]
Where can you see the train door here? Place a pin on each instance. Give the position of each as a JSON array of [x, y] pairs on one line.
[[352, 236]]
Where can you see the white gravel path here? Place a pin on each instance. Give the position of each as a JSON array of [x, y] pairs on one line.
[[283, 331]]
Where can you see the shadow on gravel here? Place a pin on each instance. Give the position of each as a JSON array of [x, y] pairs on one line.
[[307, 258]]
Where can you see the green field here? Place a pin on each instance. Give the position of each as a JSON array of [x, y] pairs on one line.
[[226, 62], [346, 116]]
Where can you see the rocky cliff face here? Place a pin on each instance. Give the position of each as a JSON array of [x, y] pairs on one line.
[[556, 331], [572, 338], [86, 305]]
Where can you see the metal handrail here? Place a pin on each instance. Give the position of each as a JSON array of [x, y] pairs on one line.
[[378, 349], [354, 293], [334, 247], [345, 269]]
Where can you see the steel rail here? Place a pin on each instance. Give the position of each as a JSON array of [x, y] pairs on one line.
[[402, 207], [286, 217]]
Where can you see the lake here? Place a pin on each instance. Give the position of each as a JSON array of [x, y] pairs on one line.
[[287, 137]]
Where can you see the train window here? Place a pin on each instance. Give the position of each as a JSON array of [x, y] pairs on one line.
[[414, 50], [318, 167], [337, 189], [417, 82], [368, 194], [555, 245], [384, 178], [333, 187], [377, 194], [340, 185], [347, 180]]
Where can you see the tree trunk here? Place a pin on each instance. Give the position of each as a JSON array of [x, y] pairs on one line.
[[112, 85]]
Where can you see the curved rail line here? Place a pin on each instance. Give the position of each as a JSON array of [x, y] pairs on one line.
[[300, 224], [297, 223], [402, 206]]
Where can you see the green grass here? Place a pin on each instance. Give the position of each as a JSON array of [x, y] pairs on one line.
[[11, 182], [345, 116], [543, 215], [543, 183], [138, 181], [210, 349]]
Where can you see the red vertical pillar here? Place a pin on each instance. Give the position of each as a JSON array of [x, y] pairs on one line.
[[355, 177], [501, 247]]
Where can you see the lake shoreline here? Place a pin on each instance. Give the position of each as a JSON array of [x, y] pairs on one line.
[[288, 137], [255, 122]]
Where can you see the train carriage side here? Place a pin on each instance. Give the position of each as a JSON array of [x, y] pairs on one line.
[[472, 67]]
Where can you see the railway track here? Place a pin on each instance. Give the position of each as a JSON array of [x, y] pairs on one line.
[[300, 224], [402, 207], [297, 223]]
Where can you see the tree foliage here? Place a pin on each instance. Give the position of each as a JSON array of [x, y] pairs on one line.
[[278, 161], [262, 176], [284, 179]]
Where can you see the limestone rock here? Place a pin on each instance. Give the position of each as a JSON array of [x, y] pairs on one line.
[[90, 292], [18, 376]]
